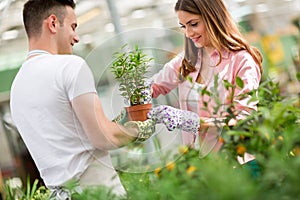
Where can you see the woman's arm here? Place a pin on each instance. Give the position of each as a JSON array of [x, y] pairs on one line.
[[167, 78], [249, 73]]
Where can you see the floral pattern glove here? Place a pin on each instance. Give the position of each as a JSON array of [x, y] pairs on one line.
[[146, 129], [121, 118], [174, 118]]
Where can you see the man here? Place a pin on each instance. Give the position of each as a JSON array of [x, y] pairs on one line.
[[55, 106]]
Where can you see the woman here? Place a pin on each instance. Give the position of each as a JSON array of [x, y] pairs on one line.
[[214, 48]]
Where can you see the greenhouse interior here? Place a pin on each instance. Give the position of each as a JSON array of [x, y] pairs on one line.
[[162, 167]]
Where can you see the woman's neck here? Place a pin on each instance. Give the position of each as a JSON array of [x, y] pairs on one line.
[[209, 49]]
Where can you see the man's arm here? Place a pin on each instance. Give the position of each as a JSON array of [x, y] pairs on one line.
[[102, 133]]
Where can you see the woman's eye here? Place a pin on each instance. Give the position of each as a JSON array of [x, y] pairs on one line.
[[182, 27], [194, 24]]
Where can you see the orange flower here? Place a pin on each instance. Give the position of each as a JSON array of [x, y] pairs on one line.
[[157, 171], [240, 149], [170, 166], [221, 139], [190, 170], [183, 149]]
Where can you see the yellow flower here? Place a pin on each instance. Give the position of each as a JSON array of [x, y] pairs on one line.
[[280, 138], [240, 149], [191, 169], [296, 151], [170, 166], [183, 149], [157, 171]]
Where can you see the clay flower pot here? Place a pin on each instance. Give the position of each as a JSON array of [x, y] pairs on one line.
[[138, 112]]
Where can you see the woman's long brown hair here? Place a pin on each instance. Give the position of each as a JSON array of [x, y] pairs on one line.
[[222, 31]]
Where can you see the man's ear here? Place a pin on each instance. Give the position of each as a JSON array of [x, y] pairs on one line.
[[52, 23]]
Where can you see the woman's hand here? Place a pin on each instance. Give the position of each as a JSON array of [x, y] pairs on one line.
[[174, 118]]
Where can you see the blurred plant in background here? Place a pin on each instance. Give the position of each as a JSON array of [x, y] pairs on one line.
[[15, 191]]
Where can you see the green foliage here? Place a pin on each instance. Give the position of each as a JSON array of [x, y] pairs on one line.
[[29, 193], [276, 119], [272, 134], [189, 177], [95, 193], [129, 69]]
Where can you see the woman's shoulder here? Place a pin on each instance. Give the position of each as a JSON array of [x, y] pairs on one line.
[[243, 60], [175, 62], [242, 54]]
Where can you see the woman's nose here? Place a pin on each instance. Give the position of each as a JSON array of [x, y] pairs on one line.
[[189, 32]]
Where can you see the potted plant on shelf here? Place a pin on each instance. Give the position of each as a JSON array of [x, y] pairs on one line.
[[129, 69]]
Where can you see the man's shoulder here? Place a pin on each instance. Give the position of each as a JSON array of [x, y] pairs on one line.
[[72, 57]]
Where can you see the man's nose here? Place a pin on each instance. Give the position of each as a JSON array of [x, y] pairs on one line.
[[76, 38]]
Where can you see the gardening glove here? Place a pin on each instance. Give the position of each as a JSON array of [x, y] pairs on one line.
[[122, 117], [174, 118], [60, 194], [146, 129]]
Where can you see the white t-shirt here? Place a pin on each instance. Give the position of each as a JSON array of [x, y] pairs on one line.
[[41, 108]]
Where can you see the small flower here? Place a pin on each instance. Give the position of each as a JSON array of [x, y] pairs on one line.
[[280, 138], [296, 151], [221, 140], [240, 149], [170, 166], [190, 169], [183, 149], [242, 137], [157, 171]]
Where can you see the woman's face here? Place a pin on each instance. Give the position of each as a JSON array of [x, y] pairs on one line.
[[194, 28]]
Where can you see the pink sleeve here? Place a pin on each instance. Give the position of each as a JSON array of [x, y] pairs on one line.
[[250, 74], [167, 78]]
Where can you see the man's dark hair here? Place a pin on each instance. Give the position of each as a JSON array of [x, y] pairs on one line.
[[35, 11]]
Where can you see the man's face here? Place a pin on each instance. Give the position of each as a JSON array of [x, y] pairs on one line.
[[67, 35]]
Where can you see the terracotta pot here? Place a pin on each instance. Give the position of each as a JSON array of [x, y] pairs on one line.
[[138, 112]]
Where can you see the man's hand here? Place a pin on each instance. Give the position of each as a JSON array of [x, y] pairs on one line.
[[145, 129], [121, 118]]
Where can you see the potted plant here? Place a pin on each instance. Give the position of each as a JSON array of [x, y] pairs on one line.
[[129, 68]]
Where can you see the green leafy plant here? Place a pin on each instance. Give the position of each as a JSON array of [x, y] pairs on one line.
[[31, 192], [274, 126], [129, 68]]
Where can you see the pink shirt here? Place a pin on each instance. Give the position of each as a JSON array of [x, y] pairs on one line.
[[233, 64]]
